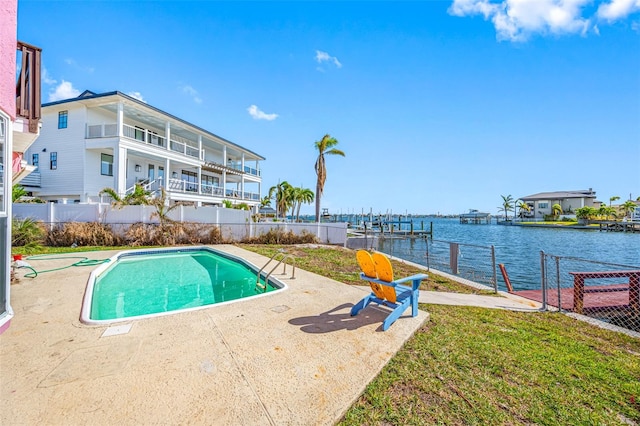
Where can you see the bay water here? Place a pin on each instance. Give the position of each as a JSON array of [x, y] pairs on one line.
[[517, 247]]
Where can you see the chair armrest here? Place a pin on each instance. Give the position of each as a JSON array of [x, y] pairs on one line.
[[415, 278]]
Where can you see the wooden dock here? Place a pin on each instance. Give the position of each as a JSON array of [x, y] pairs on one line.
[[595, 298], [620, 226]]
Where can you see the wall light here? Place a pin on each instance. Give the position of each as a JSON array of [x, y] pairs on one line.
[[44, 149], [138, 168], [174, 175]]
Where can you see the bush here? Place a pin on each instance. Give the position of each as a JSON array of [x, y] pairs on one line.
[[279, 236], [26, 233], [82, 234]]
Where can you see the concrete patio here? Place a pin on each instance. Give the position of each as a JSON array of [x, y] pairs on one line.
[[293, 357]]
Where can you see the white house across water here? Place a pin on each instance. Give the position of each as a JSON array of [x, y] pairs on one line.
[[112, 140]]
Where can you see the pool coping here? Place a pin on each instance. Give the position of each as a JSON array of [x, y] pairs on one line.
[[295, 358], [85, 313]]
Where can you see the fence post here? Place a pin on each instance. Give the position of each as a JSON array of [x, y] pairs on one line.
[[52, 215], [543, 280], [558, 283], [493, 265], [453, 258]]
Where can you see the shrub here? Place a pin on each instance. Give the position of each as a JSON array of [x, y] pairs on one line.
[[26, 233], [279, 236], [82, 234]]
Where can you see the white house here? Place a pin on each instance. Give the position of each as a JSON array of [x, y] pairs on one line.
[[111, 140], [541, 204]]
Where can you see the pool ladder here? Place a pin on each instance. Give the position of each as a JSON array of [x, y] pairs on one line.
[[283, 259]]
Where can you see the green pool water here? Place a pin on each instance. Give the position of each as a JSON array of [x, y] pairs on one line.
[[169, 281]]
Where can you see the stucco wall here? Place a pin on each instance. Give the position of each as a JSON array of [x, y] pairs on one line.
[[8, 39]]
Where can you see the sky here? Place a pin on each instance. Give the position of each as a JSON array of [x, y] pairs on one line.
[[439, 106]]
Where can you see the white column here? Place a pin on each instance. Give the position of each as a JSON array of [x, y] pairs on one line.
[[224, 156], [120, 169], [200, 152], [167, 132], [167, 173], [120, 119]]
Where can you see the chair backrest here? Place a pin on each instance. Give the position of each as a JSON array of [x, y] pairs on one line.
[[369, 267], [366, 263], [383, 267]]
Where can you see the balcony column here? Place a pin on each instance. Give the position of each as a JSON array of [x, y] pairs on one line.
[[199, 181], [200, 152], [120, 169], [167, 173], [224, 183], [224, 156], [167, 133], [120, 119]]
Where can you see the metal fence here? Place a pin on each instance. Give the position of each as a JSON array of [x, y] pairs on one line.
[[605, 291], [472, 262]]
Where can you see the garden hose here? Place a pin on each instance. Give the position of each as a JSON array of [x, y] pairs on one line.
[[84, 261]]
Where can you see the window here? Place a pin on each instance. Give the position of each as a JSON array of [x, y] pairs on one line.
[[161, 173], [62, 119], [106, 165], [139, 134], [543, 205], [53, 161], [35, 160], [152, 172], [192, 181]]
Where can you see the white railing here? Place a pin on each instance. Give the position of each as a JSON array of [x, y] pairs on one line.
[[178, 185], [102, 130]]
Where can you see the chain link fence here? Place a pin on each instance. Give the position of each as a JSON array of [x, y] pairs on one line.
[[604, 291]]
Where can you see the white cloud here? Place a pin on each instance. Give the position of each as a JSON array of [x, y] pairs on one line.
[[618, 9], [517, 20], [325, 57], [46, 77], [260, 115], [137, 95], [187, 89], [64, 90]]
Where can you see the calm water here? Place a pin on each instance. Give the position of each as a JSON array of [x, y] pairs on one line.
[[519, 247]]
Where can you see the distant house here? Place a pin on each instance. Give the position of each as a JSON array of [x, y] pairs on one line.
[[540, 204]]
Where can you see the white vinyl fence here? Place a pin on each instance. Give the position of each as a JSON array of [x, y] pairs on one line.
[[234, 224]]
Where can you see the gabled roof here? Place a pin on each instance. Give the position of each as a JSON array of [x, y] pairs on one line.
[[560, 195]]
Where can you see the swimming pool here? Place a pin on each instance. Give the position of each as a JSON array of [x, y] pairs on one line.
[[146, 283]]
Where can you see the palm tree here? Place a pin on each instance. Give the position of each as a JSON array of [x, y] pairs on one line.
[[556, 210], [302, 196], [628, 207], [282, 194], [507, 205], [606, 211], [523, 207], [139, 196], [612, 199], [325, 146]]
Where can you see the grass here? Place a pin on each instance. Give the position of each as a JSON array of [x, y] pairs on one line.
[[474, 366], [479, 366], [340, 264]]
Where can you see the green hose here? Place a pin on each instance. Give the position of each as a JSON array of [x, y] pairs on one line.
[[84, 261]]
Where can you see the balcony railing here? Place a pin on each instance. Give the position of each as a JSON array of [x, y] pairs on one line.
[[28, 95], [177, 185], [237, 165]]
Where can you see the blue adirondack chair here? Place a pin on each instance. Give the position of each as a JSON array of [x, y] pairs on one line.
[[385, 291]]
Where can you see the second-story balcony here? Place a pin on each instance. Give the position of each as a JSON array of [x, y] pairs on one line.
[[145, 136]]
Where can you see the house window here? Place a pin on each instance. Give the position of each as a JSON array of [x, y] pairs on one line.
[[152, 172], [139, 134], [106, 165], [35, 160], [543, 205], [62, 119], [161, 173], [191, 181], [53, 161]]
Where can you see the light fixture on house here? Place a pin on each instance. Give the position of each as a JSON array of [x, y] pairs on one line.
[[138, 168], [174, 175], [44, 149]]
